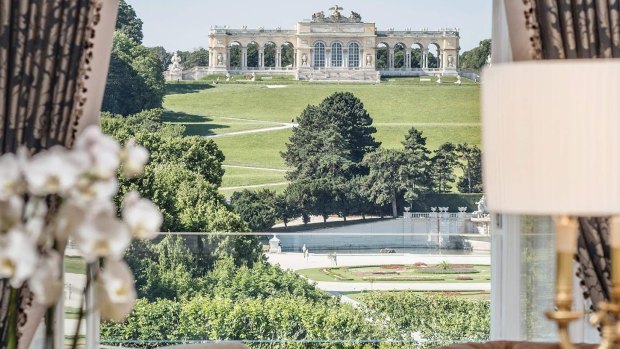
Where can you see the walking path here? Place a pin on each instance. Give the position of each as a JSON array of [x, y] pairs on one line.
[[254, 186], [258, 130], [256, 168], [296, 261]]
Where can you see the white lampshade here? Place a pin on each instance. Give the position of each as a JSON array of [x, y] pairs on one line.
[[551, 137]]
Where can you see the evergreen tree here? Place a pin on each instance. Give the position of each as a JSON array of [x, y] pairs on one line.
[[385, 181], [415, 171], [257, 208], [441, 170], [332, 138], [471, 163]]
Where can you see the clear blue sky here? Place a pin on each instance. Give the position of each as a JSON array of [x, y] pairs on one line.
[[184, 24]]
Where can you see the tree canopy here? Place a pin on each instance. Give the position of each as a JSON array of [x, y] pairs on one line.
[[128, 22], [477, 57]]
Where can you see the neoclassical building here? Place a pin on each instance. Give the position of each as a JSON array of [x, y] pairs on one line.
[[334, 47]]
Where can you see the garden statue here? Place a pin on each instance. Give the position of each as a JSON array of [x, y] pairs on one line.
[[304, 59], [175, 65], [482, 207], [450, 61], [220, 59]]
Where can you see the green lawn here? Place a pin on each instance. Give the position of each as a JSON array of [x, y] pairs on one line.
[[75, 265], [255, 149], [444, 112], [386, 102], [197, 125], [241, 176], [408, 273]]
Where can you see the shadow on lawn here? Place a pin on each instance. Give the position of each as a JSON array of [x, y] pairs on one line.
[[179, 88], [205, 128]]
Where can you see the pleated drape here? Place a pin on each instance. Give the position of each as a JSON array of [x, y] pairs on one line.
[[45, 54], [42, 45], [580, 29]]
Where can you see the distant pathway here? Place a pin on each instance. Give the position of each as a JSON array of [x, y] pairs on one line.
[[257, 168], [254, 186], [258, 130], [447, 124], [334, 286]]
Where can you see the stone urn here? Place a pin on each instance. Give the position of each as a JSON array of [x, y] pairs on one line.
[[274, 245]]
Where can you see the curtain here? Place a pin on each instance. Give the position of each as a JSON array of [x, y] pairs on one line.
[[580, 29], [45, 50], [42, 67]]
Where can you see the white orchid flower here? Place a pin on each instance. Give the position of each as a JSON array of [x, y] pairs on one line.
[[102, 234], [116, 293], [103, 150], [51, 172], [142, 216], [10, 212], [68, 218], [95, 190], [134, 158], [10, 175], [46, 283], [18, 257]]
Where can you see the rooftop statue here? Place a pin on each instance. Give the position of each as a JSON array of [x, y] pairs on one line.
[[336, 16], [336, 12]]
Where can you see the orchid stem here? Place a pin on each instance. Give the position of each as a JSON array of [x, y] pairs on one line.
[[82, 307], [12, 318]]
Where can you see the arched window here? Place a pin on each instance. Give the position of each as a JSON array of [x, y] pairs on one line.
[[336, 55], [319, 54], [354, 55]]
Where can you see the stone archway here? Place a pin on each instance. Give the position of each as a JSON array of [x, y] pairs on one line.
[[417, 55], [235, 56], [253, 59], [270, 54], [433, 57], [399, 56], [383, 56], [287, 55]]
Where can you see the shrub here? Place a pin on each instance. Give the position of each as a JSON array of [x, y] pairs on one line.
[[438, 319]]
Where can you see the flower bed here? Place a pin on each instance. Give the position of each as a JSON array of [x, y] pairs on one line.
[[441, 270]]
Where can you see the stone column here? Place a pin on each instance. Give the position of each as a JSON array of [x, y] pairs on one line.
[[227, 58], [408, 59], [244, 58], [439, 60], [391, 58], [261, 58], [345, 58], [425, 58], [278, 57]]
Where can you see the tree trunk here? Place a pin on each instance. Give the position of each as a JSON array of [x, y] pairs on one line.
[[345, 218], [394, 208]]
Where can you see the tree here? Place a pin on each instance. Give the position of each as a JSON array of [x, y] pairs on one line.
[[382, 57], [257, 208], [286, 209], [200, 57], [135, 79], [441, 170], [332, 138], [384, 181], [128, 22], [477, 57], [470, 161], [415, 170], [165, 57]]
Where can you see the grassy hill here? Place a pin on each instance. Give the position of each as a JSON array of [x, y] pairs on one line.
[[444, 112]]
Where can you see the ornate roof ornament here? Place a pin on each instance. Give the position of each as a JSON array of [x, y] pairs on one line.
[[336, 16]]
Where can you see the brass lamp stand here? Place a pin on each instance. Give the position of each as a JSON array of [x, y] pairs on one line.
[[608, 315]]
